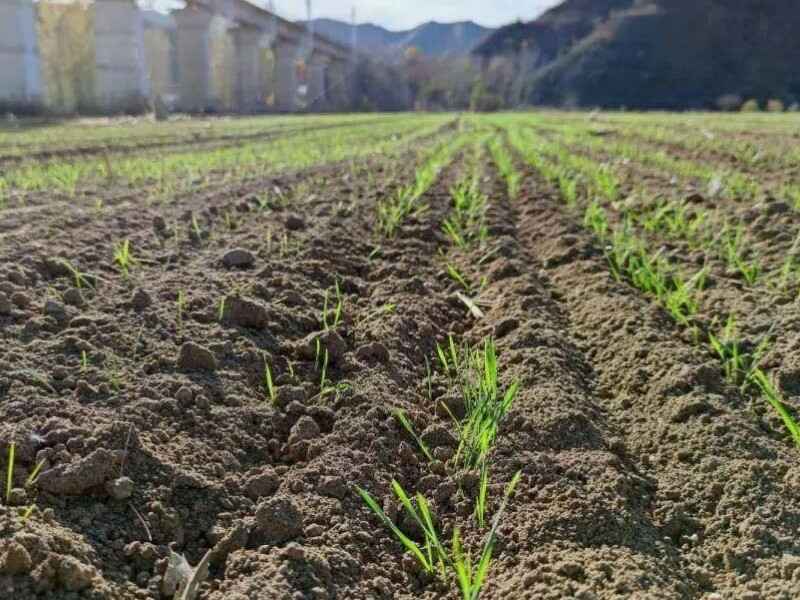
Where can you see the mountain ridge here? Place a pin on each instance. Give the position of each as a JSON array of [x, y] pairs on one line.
[[432, 39]]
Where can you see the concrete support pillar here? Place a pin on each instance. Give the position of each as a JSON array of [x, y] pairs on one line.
[[193, 45], [317, 93], [20, 75], [286, 53], [121, 75], [249, 71], [340, 85]]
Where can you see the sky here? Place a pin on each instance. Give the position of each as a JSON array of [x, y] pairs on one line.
[[405, 14]]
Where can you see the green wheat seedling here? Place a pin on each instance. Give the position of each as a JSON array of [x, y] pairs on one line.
[[34, 476], [773, 396], [269, 387], [84, 362], [732, 241], [476, 375], [196, 229], [449, 357], [485, 407], [629, 259], [10, 470], [221, 309], [471, 577], [675, 219], [432, 555], [338, 310], [482, 499], [606, 184], [568, 186], [452, 230], [456, 276], [79, 278], [505, 164], [402, 418], [230, 222], [394, 210], [595, 219], [322, 362], [466, 223], [789, 271], [738, 364], [4, 193], [123, 256]]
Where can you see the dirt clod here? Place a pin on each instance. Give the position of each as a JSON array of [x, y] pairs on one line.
[[373, 351], [278, 520], [80, 476], [120, 488], [329, 340], [246, 313], [17, 497], [305, 429], [14, 559], [55, 309], [194, 357], [262, 484], [333, 486], [21, 300], [74, 575], [289, 394], [5, 304], [438, 435]]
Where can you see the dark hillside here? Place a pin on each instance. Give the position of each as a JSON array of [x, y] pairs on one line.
[[669, 54]]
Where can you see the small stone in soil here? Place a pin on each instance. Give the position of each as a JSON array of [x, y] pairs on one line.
[[73, 297], [185, 396], [238, 257], [159, 224], [141, 300], [295, 223]]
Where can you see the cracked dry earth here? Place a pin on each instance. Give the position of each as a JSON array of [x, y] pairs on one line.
[[643, 475]]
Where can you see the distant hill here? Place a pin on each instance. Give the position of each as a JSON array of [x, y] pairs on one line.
[[431, 39], [665, 54]]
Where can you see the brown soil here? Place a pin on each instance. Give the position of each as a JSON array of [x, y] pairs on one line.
[[643, 474]]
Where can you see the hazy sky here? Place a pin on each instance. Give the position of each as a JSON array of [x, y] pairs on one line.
[[404, 14]]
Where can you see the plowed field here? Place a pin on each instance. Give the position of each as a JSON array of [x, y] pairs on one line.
[[528, 356]]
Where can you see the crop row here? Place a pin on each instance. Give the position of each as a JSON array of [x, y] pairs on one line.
[[588, 190], [166, 175]]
